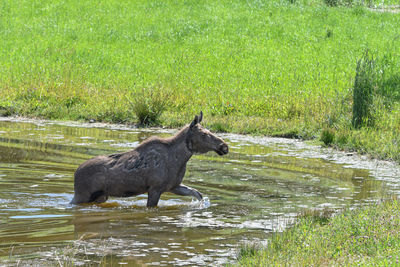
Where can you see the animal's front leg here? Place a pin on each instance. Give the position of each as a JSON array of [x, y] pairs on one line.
[[184, 190], [153, 198]]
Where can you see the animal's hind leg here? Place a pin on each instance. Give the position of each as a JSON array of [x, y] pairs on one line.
[[95, 197], [153, 198], [89, 189], [98, 197], [80, 198]]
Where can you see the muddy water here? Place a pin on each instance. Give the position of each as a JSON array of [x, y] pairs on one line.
[[255, 190]]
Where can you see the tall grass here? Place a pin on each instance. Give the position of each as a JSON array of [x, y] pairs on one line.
[[366, 236], [149, 103], [365, 85], [366, 118], [376, 86]]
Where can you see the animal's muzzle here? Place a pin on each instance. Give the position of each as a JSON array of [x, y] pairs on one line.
[[223, 149]]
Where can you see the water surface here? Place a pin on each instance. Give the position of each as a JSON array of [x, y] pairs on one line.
[[257, 189]]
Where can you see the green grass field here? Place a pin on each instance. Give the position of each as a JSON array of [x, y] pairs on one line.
[[364, 237], [282, 68]]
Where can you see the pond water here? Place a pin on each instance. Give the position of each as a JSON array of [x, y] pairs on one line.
[[257, 189]]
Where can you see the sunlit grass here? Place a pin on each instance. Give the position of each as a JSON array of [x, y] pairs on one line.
[[367, 236]]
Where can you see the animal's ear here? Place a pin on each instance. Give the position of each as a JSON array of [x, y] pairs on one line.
[[194, 122], [201, 116]]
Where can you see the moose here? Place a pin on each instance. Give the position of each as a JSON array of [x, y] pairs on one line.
[[156, 166]]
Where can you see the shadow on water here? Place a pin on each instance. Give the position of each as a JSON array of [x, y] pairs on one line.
[[255, 190]]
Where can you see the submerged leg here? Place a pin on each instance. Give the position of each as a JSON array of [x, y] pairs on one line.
[[153, 198], [99, 197], [184, 190], [95, 197], [81, 197]]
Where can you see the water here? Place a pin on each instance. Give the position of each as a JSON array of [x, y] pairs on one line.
[[255, 190]]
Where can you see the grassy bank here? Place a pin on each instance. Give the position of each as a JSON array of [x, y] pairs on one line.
[[367, 236], [283, 68]]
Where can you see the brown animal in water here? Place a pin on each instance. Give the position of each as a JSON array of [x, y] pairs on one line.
[[156, 166]]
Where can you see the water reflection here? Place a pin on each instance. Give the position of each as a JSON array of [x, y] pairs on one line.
[[255, 190]]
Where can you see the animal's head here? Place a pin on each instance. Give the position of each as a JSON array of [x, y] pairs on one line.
[[202, 140]]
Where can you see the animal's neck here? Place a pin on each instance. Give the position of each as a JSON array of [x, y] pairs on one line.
[[180, 145]]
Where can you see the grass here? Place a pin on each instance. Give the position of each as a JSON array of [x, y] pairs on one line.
[[363, 93], [149, 104], [368, 236], [280, 68]]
